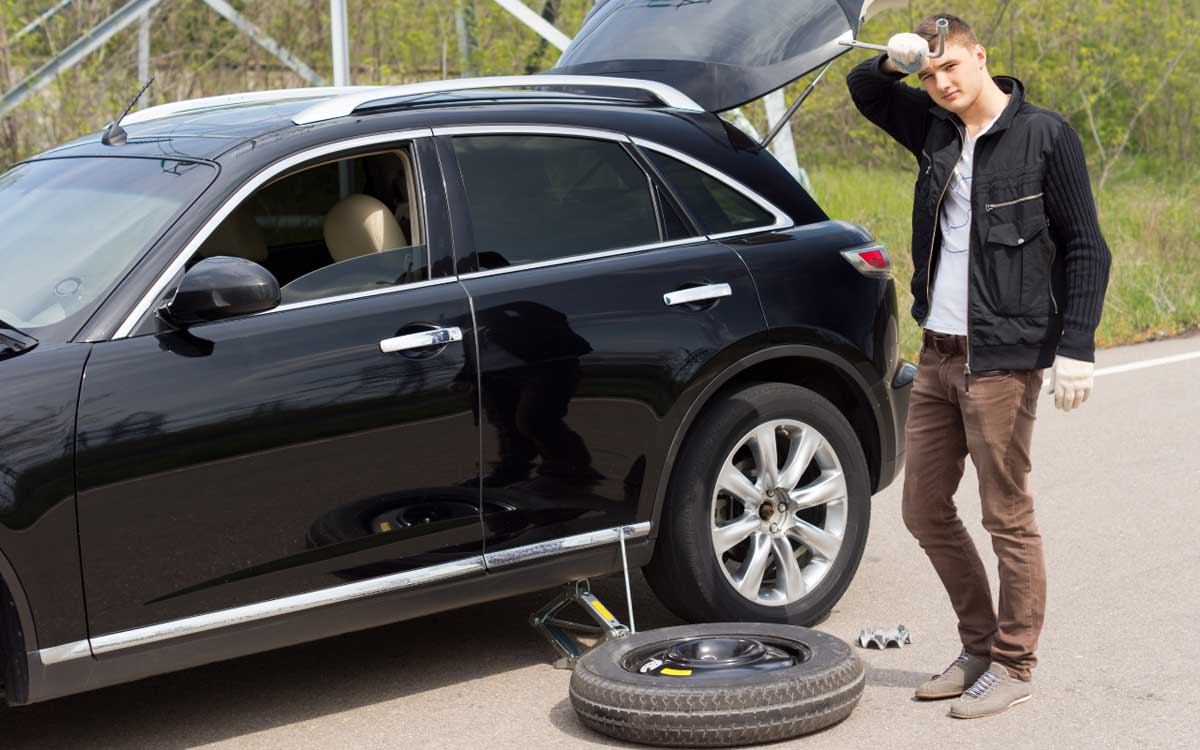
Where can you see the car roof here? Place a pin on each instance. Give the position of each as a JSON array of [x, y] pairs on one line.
[[208, 127]]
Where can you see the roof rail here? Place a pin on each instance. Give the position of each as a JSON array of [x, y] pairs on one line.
[[250, 97], [343, 106]]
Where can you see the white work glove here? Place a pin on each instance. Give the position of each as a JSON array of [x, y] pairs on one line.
[[908, 51], [1070, 380]]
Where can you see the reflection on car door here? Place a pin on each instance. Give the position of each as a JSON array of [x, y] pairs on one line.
[[580, 355]]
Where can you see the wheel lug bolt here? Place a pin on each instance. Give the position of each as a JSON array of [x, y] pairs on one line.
[[774, 528]]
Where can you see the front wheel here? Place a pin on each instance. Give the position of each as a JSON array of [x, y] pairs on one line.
[[767, 511]]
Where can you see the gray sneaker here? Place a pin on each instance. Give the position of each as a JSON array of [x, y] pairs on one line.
[[995, 691], [955, 678]]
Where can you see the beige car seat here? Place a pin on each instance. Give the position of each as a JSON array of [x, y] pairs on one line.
[[359, 225], [238, 236]]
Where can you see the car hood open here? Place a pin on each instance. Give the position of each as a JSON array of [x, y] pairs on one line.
[[721, 53]]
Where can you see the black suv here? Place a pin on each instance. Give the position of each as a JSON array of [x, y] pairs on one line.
[[282, 365]]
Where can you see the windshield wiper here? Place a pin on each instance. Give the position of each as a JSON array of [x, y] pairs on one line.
[[13, 341]]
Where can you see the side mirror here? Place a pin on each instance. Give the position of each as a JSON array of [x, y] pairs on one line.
[[221, 287]]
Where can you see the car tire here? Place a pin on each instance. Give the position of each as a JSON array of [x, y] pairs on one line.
[[619, 688], [700, 584]]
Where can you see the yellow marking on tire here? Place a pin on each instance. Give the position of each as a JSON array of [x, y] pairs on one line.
[[385, 526], [676, 672]]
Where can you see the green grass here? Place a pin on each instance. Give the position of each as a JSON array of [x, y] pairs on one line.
[[1151, 228]]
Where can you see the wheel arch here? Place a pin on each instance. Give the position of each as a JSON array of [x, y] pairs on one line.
[[808, 366], [17, 635]]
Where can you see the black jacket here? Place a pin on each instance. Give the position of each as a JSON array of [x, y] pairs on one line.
[[1038, 262]]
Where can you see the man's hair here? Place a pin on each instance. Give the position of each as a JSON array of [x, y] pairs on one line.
[[959, 31]]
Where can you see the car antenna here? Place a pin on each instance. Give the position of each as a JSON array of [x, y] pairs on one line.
[[115, 135]]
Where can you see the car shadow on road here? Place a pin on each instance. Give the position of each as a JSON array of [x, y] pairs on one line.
[[235, 698]]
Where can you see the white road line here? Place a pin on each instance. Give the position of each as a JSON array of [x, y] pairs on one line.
[[1145, 363]]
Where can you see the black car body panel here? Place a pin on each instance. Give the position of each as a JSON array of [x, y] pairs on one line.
[[721, 53], [243, 442], [37, 487], [278, 457]]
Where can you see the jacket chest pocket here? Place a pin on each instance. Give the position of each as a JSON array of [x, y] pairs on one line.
[[1016, 269]]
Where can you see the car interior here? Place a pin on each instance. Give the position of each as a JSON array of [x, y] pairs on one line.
[[340, 227]]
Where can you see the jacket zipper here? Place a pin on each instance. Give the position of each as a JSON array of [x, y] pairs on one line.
[[990, 206], [933, 239], [967, 367]]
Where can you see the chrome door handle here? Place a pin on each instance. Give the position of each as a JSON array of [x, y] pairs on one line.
[[436, 337], [698, 294]]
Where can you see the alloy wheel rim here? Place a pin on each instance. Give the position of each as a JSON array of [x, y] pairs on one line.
[[778, 512]]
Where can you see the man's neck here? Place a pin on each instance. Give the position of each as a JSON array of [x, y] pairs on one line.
[[986, 107]]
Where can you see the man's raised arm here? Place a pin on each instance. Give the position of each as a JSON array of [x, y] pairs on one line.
[[879, 93]]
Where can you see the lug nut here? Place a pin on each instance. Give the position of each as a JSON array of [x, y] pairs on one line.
[[774, 528]]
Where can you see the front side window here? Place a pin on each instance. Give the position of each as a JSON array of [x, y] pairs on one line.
[[718, 207], [72, 228], [536, 198], [341, 227]]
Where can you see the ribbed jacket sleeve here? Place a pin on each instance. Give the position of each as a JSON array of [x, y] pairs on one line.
[[884, 99], [1075, 229]]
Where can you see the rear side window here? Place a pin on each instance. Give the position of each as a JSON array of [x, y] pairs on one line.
[[539, 198], [718, 207]]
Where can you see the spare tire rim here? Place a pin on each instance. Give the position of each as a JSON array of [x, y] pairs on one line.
[[778, 512], [720, 656]]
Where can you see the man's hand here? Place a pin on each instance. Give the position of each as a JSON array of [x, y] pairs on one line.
[[908, 52], [1070, 380]]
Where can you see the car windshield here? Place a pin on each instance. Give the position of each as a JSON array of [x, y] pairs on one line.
[[73, 227]]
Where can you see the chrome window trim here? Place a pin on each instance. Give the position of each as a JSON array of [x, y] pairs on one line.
[[255, 182], [782, 220], [581, 258], [354, 295], [564, 545], [344, 106], [188, 626], [567, 130]]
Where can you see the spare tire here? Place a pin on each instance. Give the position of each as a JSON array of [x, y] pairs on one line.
[[717, 684]]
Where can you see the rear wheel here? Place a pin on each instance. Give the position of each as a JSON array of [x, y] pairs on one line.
[[767, 511]]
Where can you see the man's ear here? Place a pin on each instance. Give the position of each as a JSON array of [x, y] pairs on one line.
[[981, 56]]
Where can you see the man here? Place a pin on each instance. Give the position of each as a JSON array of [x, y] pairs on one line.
[[1010, 271]]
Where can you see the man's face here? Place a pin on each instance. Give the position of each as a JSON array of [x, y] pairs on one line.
[[955, 79]]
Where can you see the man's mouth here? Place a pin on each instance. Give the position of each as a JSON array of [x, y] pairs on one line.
[[950, 97]]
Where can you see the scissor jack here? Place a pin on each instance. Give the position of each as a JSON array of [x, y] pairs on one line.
[[560, 632]]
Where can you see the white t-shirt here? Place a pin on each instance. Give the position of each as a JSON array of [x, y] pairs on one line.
[[948, 308]]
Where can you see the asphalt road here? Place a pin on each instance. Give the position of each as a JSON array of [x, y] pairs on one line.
[[1117, 486]]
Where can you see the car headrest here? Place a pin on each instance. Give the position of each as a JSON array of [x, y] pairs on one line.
[[359, 225]]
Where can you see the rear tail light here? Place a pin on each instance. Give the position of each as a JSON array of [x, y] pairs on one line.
[[872, 260]]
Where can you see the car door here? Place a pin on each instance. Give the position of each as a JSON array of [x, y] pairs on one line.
[[328, 445], [596, 306]]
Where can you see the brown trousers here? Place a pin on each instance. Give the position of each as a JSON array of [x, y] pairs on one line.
[[994, 424]]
